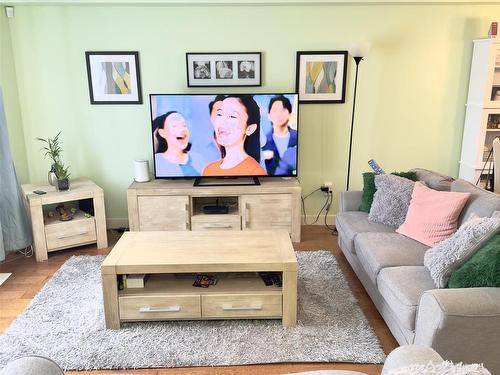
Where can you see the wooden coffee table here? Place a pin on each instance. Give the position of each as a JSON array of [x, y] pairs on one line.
[[169, 258]]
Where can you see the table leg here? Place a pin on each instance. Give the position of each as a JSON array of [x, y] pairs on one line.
[[110, 296], [100, 221], [39, 244], [289, 298]]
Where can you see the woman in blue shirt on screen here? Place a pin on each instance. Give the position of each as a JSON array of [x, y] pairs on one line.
[[172, 158]]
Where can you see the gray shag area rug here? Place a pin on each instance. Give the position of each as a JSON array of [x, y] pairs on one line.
[[65, 322]]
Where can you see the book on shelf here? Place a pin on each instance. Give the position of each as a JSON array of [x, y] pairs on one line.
[[493, 30]]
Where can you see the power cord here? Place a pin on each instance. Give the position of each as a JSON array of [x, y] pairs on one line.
[[25, 253], [304, 205], [330, 197], [326, 206]]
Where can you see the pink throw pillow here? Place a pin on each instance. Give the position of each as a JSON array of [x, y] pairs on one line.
[[433, 215]]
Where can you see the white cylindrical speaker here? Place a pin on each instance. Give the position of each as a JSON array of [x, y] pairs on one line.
[[141, 171]]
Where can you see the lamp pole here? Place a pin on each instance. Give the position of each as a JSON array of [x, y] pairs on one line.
[[357, 60]]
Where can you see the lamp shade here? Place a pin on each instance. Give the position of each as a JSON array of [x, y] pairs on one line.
[[360, 49]]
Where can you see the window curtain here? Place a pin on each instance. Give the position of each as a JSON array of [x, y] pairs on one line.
[[16, 227]]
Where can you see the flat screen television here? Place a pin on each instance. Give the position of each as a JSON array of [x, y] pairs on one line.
[[224, 135]]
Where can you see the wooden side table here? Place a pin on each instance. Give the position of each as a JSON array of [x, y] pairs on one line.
[[87, 226]]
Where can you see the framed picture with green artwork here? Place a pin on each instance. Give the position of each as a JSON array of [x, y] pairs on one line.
[[321, 76], [114, 77]]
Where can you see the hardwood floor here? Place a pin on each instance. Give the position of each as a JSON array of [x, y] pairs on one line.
[[28, 277]]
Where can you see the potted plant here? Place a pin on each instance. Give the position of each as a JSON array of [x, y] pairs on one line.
[[62, 174], [58, 169]]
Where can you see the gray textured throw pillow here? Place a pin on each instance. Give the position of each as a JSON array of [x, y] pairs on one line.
[[391, 200], [445, 367], [447, 256]]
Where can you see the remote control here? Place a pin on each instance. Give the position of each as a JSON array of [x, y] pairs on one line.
[[276, 279], [265, 276], [376, 168], [39, 192]]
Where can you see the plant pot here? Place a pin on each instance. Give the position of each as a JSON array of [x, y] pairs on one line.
[[52, 178], [63, 184]]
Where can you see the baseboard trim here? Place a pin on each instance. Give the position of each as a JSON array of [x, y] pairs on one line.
[[115, 223]]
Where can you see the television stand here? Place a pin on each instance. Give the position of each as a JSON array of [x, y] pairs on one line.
[[226, 181], [170, 205]]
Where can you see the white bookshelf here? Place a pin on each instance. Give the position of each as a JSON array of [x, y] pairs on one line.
[[482, 118]]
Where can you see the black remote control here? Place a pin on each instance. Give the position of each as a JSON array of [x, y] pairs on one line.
[[276, 279], [266, 277], [39, 192], [376, 168]]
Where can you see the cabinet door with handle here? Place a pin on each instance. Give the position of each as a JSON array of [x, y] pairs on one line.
[[270, 211], [163, 212]]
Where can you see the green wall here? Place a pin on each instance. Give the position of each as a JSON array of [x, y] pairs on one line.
[[411, 92]]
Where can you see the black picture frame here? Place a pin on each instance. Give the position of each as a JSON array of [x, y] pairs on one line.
[[224, 69], [101, 65], [306, 89]]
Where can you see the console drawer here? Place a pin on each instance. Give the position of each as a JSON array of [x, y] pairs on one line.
[[159, 307], [242, 305], [70, 233], [216, 222]]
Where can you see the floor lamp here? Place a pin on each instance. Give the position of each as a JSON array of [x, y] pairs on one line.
[[358, 52]]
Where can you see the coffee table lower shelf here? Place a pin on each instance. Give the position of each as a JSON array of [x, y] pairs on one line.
[[166, 297]]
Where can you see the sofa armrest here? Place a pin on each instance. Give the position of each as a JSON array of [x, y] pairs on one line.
[[408, 355], [462, 325], [350, 200]]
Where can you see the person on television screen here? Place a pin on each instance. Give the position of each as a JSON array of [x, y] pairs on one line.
[[237, 128], [172, 158], [212, 150], [280, 150]]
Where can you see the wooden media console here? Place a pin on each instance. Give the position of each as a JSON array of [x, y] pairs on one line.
[[173, 205]]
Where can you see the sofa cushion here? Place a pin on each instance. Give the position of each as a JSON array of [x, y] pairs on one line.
[[481, 202], [380, 250], [482, 270], [369, 188], [351, 223], [433, 215], [434, 180], [450, 254], [401, 288], [391, 200]]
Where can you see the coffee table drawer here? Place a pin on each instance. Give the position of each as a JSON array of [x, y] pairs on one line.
[[159, 307], [242, 305]]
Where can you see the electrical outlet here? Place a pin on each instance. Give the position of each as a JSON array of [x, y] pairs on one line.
[[327, 187], [9, 11]]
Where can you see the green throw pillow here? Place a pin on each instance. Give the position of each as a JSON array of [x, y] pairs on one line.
[[369, 188], [481, 270], [409, 175]]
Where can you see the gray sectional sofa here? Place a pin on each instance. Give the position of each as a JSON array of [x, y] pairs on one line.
[[460, 324]]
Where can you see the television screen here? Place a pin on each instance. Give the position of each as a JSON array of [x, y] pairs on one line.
[[225, 135]]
